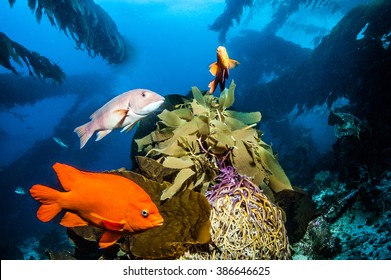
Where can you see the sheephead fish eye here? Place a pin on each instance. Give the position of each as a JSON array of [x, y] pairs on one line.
[[144, 213], [143, 94]]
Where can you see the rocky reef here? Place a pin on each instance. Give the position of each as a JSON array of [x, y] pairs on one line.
[[355, 226]]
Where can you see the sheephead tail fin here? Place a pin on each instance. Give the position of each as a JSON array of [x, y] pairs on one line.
[[84, 134]]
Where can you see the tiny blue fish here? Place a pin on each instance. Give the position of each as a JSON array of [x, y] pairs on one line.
[[20, 190], [59, 142]]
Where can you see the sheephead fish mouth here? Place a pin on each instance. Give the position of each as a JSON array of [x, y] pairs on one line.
[[150, 108]]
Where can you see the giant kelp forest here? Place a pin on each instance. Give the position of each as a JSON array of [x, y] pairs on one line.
[[204, 159], [86, 23], [343, 66], [234, 11]]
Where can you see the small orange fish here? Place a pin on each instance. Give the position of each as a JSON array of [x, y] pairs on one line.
[[220, 69], [111, 202]]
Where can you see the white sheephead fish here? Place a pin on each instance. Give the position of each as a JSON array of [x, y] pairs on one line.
[[20, 190], [123, 111]]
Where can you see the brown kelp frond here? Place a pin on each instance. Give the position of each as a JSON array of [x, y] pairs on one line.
[[87, 23], [38, 66], [233, 11], [196, 136]]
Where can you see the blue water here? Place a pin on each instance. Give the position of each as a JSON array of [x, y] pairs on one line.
[[171, 49]]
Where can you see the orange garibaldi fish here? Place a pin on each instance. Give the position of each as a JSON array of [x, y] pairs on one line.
[[220, 69], [111, 202]]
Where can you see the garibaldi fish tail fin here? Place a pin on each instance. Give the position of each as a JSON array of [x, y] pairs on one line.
[[49, 199]]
